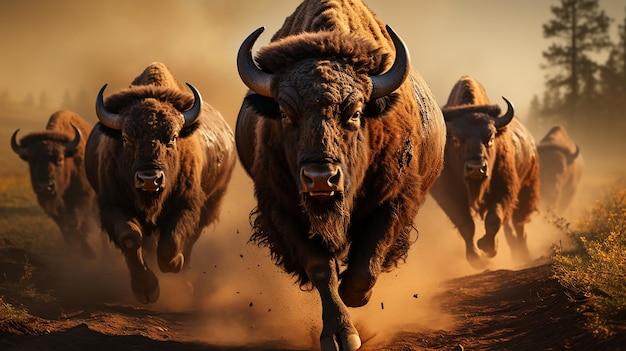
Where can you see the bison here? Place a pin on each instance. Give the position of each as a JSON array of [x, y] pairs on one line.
[[160, 160], [343, 140], [491, 171], [56, 162], [560, 169]]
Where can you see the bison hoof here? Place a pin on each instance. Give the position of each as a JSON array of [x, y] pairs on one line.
[[349, 342], [145, 287], [488, 246], [352, 297], [476, 261], [174, 265]]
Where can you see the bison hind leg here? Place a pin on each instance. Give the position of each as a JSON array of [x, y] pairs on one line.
[[517, 243]]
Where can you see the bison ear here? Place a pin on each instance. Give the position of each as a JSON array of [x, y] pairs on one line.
[[265, 106], [378, 108], [111, 133], [71, 152], [188, 130]]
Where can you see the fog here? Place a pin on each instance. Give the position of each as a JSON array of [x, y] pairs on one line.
[[69, 45], [73, 47]]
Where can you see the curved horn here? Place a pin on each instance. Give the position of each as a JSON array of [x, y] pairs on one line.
[[191, 115], [71, 146], [507, 117], [572, 156], [391, 80], [250, 74], [107, 118], [17, 148]]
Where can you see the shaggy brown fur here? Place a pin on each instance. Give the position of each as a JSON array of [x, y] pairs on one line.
[[194, 165], [387, 152], [467, 91], [561, 169], [505, 191], [58, 178]]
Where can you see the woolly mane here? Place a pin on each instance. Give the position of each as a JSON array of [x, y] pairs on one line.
[[451, 112], [182, 101], [158, 74], [558, 138], [467, 91], [45, 135], [361, 53]]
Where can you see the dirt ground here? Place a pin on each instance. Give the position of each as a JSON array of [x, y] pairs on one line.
[[524, 309]]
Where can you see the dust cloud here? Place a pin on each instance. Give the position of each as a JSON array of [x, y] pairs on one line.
[[66, 50]]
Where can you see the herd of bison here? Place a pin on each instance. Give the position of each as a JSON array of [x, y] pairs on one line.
[[342, 141]]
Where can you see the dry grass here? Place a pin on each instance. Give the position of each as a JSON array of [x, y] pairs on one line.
[[595, 269]]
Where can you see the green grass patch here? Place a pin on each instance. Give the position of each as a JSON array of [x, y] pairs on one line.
[[16, 295], [594, 269], [23, 223]]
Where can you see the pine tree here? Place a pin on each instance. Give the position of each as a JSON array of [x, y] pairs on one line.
[[613, 73], [613, 85], [580, 28]]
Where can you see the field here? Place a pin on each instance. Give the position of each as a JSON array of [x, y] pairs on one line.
[[234, 298]]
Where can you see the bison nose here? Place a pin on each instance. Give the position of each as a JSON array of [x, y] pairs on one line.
[[475, 169], [321, 179], [149, 179], [46, 187]]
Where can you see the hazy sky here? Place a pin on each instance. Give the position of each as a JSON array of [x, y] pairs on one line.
[[67, 45]]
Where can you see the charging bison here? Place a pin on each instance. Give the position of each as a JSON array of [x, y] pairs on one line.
[[342, 140], [56, 162], [160, 161], [560, 169], [491, 170]]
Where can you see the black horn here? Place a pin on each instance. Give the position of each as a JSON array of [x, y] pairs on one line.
[[191, 115], [17, 148], [70, 146], [571, 157], [505, 119], [255, 79], [107, 118], [391, 80]]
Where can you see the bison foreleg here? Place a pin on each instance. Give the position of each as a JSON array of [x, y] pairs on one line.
[[144, 283], [338, 332], [178, 233], [457, 210], [127, 235], [493, 222]]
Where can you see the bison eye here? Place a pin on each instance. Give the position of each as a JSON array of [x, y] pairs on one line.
[[172, 140], [356, 116], [59, 161], [285, 117]]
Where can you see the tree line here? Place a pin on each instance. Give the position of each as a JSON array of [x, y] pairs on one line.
[[585, 82]]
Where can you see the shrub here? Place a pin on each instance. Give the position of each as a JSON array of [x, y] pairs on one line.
[[595, 269]]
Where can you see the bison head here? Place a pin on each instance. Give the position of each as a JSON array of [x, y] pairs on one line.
[[318, 92], [46, 153], [471, 143], [147, 122]]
